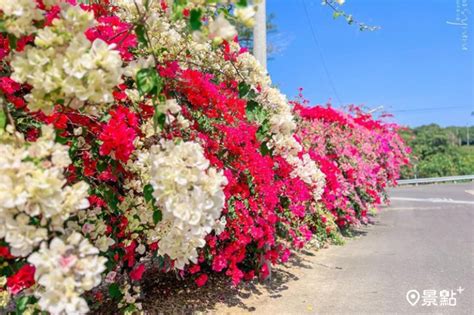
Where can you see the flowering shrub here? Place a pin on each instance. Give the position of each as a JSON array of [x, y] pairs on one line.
[[138, 134], [360, 157]]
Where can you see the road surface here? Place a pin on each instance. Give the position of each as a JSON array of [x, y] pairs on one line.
[[423, 241]]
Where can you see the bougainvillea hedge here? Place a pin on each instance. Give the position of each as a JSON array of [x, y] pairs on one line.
[[140, 134]]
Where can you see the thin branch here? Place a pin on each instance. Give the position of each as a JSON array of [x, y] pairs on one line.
[[142, 20], [348, 17], [9, 116]]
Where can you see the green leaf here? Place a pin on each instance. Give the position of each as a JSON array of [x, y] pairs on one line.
[[111, 264], [195, 19], [252, 106], [140, 32], [157, 216], [243, 89], [264, 149], [61, 140], [159, 119], [255, 112], [241, 3], [263, 131], [224, 11], [146, 4], [149, 82], [177, 12], [114, 291], [285, 202], [23, 302], [148, 193], [111, 199], [74, 147], [2, 26], [102, 166], [336, 14], [3, 120], [130, 309], [350, 19], [12, 40]]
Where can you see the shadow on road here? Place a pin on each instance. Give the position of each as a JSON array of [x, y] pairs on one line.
[[169, 294], [166, 294]]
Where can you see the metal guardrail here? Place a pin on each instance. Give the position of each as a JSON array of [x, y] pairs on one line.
[[435, 180]]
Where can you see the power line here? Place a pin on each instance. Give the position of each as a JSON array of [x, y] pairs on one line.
[[427, 109], [321, 56]]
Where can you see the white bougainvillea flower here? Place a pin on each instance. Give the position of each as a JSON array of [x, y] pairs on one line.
[[220, 29], [19, 16], [65, 65], [190, 194], [309, 172], [32, 185], [246, 16], [64, 271]]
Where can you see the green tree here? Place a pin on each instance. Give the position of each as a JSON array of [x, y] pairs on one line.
[[438, 151]]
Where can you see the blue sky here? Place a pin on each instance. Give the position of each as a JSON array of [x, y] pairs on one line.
[[413, 65]]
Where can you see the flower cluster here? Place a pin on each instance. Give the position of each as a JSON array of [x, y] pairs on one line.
[[64, 66], [65, 270], [359, 155], [19, 16], [307, 170], [119, 133], [190, 194], [32, 187]]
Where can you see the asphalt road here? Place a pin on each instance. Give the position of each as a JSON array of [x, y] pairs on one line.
[[423, 241]]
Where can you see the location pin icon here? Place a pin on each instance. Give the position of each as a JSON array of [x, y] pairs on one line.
[[413, 297]]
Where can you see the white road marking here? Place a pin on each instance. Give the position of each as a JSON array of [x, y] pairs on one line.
[[435, 200], [470, 192]]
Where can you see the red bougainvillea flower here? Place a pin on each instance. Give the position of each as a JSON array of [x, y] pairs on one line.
[[137, 273], [113, 31], [22, 279], [119, 134], [8, 86], [201, 280], [5, 252], [194, 269]]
